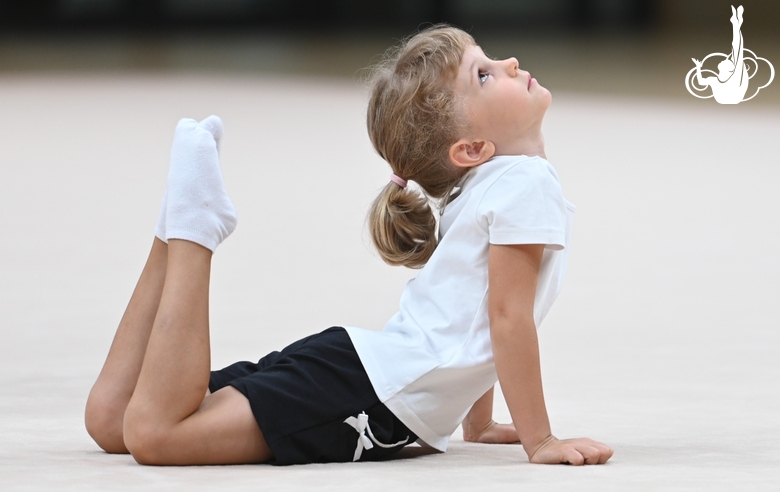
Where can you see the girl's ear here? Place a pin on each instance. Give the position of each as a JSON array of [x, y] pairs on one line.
[[471, 153]]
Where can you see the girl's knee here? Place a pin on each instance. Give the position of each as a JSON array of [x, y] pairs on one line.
[[103, 421], [145, 442], [148, 439]]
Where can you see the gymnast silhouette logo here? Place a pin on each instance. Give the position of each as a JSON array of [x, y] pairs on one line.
[[730, 84]]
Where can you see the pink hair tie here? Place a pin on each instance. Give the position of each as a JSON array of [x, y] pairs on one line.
[[398, 180]]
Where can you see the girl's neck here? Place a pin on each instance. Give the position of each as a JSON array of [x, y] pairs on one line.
[[533, 145]]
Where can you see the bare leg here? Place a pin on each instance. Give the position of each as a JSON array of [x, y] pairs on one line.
[[111, 393], [167, 420]]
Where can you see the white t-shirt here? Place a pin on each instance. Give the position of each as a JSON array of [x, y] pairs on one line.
[[434, 358]]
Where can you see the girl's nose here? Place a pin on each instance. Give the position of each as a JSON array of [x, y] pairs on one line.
[[512, 66]]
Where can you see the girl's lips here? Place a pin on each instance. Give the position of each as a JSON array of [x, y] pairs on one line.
[[531, 80]]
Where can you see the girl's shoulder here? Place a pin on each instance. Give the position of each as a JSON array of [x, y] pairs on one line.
[[518, 176], [523, 203], [505, 185]]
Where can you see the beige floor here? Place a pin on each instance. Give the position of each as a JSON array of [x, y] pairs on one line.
[[664, 343]]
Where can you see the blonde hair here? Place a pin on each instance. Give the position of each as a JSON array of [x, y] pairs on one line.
[[414, 117]]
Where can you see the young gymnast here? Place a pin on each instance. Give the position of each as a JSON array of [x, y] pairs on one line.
[[467, 130]]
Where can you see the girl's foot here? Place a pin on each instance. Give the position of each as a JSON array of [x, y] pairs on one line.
[[198, 207], [214, 125]]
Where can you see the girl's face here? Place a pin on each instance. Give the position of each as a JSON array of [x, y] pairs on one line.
[[502, 103]]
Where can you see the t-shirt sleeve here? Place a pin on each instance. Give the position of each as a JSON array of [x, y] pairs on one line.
[[525, 205]]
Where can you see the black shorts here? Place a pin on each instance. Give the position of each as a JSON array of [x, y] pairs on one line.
[[302, 396]]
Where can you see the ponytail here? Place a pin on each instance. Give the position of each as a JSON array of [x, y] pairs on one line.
[[403, 227]]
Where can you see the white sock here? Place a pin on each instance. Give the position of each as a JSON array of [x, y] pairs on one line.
[[198, 208], [214, 125]]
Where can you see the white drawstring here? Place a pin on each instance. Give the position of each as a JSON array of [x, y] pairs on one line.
[[360, 424]]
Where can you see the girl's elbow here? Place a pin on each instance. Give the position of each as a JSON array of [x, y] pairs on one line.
[[507, 323]]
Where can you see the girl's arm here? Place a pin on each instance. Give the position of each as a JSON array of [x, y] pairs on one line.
[[479, 426], [513, 271]]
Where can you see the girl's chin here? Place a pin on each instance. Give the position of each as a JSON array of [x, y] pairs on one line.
[[549, 95]]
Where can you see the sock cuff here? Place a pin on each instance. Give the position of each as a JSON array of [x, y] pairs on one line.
[[205, 240]]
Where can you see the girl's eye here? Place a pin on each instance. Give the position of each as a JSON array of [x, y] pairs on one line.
[[482, 77]]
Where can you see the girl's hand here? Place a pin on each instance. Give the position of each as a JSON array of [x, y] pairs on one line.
[[492, 433], [581, 451]]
